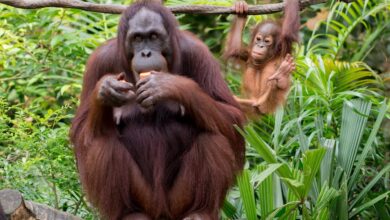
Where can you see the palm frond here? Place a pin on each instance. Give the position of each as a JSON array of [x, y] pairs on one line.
[[343, 19]]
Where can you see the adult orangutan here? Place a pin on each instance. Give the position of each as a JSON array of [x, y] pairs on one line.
[[267, 61], [160, 147]]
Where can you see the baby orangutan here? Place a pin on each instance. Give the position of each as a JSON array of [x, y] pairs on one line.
[[267, 61]]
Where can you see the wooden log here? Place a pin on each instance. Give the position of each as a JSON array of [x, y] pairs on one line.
[[13, 207]]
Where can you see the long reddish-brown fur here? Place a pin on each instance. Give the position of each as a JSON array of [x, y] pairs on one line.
[[260, 95], [159, 164]]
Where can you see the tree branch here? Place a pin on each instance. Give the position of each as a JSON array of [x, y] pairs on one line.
[[86, 6], [117, 9]]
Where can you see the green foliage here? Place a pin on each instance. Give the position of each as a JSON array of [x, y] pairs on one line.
[[359, 25], [36, 158], [323, 140], [312, 194]]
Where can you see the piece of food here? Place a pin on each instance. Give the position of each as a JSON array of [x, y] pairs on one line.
[[144, 75]]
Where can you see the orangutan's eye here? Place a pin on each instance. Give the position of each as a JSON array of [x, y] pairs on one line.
[[137, 38], [153, 36]]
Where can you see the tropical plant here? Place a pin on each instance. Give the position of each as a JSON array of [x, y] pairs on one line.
[[36, 158], [328, 170], [351, 28]]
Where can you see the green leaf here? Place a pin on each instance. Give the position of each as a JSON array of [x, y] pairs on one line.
[[368, 145], [324, 198], [266, 192], [369, 204], [311, 164], [265, 172], [247, 195], [56, 40], [370, 185], [296, 186], [343, 20], [326, 164], [351, 132], [229, 210], [286, 208], [303, 140], [278, 125], [305, 213], [342, 203], [263, 149]]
